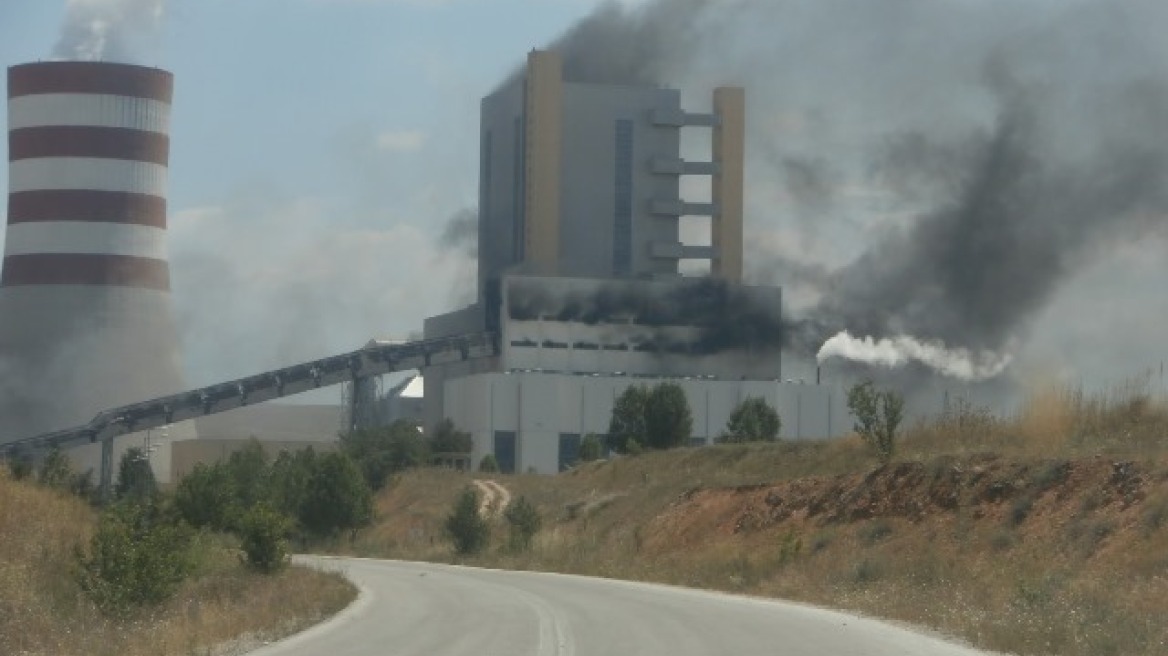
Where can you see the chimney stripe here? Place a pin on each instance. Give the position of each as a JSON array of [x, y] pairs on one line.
[[90, 77], [48, 173], [95, 238], [86, 205], [86, 141], [85, 269], [102, 110]]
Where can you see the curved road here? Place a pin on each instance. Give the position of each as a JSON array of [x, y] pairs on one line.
[[438, 610]]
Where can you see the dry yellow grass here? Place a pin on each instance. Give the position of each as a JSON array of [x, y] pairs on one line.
[[1058, 546], [42, 610]]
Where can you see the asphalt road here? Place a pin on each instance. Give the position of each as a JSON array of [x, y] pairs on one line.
[[436, 610]]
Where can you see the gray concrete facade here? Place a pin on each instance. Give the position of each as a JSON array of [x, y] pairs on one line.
[[612, 147], [544, 415]]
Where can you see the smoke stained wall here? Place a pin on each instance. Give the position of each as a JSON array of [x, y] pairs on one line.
[[941, 170]]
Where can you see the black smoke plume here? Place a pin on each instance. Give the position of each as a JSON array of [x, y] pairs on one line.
[[1017, 142], [727, 316]]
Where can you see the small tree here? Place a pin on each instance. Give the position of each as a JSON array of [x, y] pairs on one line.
[[628, 419], [288, 482], [263, 537], [336, 496], [385, 450], [668, 422], [20, 467], [56, 471], [135, 477], [207, 497], [524, 522], [465, 526], [591, 448], [448, 439], [878, 415], [137, 557], [754, 420], [248, 471], [489, 465]]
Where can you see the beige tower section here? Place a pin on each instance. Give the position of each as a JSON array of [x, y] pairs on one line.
[[729, 154], [544, 108]]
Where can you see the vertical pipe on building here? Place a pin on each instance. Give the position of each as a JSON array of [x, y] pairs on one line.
[[729, 149], [543, 98]]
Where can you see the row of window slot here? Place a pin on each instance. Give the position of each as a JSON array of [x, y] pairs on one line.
[[592, 346]]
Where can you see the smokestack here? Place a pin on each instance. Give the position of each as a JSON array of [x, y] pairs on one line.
[[85, 309]]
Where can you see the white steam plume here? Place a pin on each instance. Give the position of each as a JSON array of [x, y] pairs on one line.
[[108, 30], [899, 351]]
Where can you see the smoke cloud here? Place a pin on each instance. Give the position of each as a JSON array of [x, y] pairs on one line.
[[727, 316], [966, 159], [109, 30], [461, 233], [901, 350]]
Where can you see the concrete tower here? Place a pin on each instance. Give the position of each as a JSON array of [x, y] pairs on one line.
[[85, 310], [583, 180]]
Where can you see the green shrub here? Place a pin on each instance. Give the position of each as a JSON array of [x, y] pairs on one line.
[[591, 448], [753, 420], [668, 420], [135, 477], [207, 497], [336, 497], [467, 529], [1020, 509], [875, 531], [448, 439], [262, 535], [56, 471], [627, 423], [878, 415], [488, 464], [524, 522], [138, 557], [20, 467], [384, 451]]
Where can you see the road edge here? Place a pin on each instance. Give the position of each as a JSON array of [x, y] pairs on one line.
[[355, 609]]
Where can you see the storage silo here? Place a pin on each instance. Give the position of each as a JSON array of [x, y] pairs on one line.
[[86, 321]]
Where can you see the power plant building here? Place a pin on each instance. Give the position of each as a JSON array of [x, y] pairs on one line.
[[85, 311], [579, 274]]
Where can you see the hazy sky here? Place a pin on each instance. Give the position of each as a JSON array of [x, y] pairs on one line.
[[321, 146]]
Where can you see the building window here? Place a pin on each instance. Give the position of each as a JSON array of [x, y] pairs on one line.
[[505, 451], [569, 450], [622, 233]]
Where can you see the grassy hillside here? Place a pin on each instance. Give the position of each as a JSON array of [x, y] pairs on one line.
[[43, 611], [1045, 533]]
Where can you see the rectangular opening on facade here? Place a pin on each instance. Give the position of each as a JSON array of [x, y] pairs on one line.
[[505, 451], [569, 450]]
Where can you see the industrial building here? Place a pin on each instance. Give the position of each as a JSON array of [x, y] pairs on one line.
[[580, 291], [85, 287], [579, 274]]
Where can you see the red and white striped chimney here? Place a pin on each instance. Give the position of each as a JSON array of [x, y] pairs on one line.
[[85, 310]]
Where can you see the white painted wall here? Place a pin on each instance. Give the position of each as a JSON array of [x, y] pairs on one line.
[[541, 406]]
